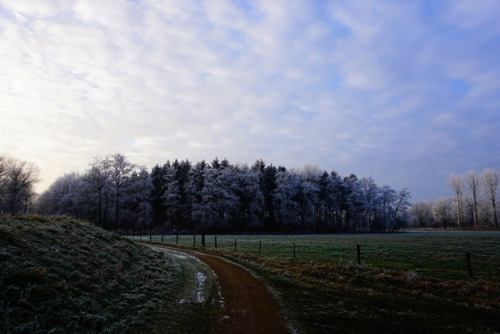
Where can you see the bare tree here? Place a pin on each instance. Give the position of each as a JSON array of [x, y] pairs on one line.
[[120, 171], [442, 211], [422, 214], [5, 165], [456, 182], [473, 181], [97, 180], [490, 182], [20, 179], [402, 201]]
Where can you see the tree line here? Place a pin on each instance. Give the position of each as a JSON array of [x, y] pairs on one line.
[[218, 196], [181, 196], [473, 205]]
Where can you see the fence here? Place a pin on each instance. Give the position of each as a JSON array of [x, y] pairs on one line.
[[458, 255]]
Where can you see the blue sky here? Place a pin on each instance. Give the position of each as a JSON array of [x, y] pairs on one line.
[[407, 92]]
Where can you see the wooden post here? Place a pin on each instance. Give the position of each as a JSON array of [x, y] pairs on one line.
[[260, 247], [162, 238], [215, 242], [150, 237], [358, 252], [177, 239], [140, 236], [469, 265], [194, 240], [294, 254], [235, 245], [203, 240]]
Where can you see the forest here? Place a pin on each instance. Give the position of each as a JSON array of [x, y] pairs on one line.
[[218, 196], [183, 197]]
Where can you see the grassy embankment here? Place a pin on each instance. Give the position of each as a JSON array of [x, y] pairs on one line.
[[59, 275], [325, 291]]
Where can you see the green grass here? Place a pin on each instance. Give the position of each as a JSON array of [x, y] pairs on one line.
[[433, 254], [60, 275], [323, 298], [408, 283]]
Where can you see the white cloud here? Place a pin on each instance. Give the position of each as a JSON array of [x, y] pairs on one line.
[[345, 85]]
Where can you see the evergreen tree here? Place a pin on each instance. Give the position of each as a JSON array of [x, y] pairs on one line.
[[157, 197]]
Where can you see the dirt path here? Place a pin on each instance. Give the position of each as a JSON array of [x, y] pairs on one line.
[[249, 307]]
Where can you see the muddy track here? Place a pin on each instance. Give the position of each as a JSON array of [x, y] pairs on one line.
[[249, 307]]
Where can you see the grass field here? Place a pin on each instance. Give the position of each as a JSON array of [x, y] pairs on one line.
[[434, 254], [408, 282]]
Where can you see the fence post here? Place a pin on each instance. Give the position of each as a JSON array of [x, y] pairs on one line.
[[162, 238], [203, 240], [294, 254], [215, 242], [150, 237], [194, 240], [140, 236], [177, 240], [235, 245], [358, 253], [469, 265], [260, 247]]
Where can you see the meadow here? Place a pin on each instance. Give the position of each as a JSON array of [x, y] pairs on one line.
[[439, 254], [414, 282]]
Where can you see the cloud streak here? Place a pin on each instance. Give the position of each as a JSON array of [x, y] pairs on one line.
[[399, 91]]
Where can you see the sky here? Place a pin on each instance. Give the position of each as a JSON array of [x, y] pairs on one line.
[[407, 92]]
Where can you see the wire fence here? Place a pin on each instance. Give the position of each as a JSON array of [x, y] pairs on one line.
[[455, 255]]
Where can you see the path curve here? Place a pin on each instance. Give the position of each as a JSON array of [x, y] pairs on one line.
[[249, 307]]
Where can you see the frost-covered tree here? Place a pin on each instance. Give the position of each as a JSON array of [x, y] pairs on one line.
[[353, 204], [194, 186], [309, 203], [17, 181], [421, 214], [120, 170], [62, 196], [172, 195], [158, 181], [309, 198], [219, 201], [220, 196], [456, 182], [268, 186], [5, 165], [442, 212], [97, 178], [286, 200], [112, 190], [175, 194], [388, 208], [473, 182], [137, 199], [251, 199], [370, 196], [333, 198], [401, 204], [491, 178]]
